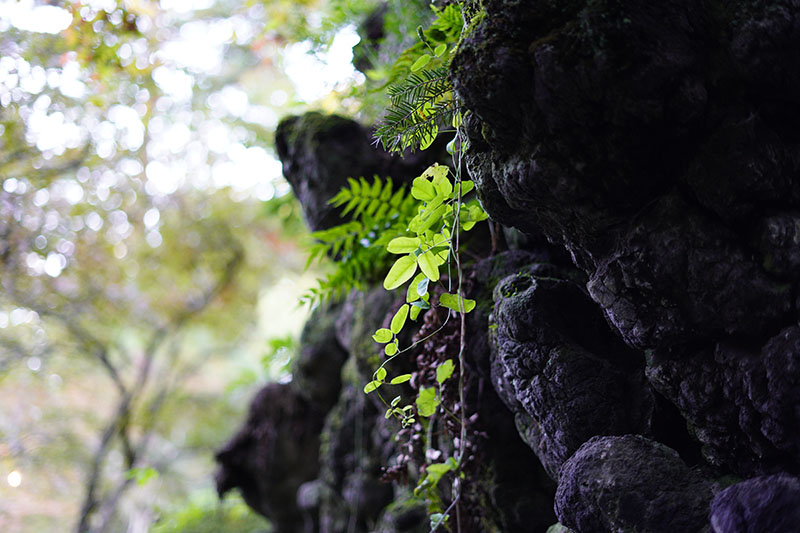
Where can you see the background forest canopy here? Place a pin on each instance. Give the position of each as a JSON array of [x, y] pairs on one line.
[[146, 236]]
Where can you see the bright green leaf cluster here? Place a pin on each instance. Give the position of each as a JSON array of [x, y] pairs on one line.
[[424, 249], [430, 247]]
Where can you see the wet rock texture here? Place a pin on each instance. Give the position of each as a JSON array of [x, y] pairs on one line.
[[560, 369], [654, 142], [633, 484], [639, 349], [767, 503]]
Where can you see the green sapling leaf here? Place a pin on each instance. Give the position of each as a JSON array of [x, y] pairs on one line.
[[391, 349], [411, 293], [403, 245], [400, 379], [399, 319], [429, 266], [466, 186], [427, 402], [451, 301], [421, 63], [371, 386], [422, 189], [401, 271]]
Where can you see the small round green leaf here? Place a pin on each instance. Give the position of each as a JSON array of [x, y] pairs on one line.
[[427, 402], [411, 293], [403, 245], [451, 301], [391, 349], [427, 263], [467, 186], [383, 335], [444, 371], [380, 374], [371, 386], [422, 189], [439, 50]]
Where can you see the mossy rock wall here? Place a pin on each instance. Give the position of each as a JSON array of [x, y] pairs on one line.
[[636, 366]]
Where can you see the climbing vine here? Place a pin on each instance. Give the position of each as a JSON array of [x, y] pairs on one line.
[[416, 235]]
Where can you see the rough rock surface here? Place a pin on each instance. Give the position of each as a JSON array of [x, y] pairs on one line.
[[318, 362], [556, 364], [768, 503], [632, 484], [757, 388], [656, 143], [509, 488]]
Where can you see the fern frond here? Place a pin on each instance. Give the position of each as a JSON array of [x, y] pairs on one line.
[[378, 213], [449, 20]]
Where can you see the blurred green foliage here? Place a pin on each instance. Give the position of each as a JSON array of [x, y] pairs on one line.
[[208, 515]]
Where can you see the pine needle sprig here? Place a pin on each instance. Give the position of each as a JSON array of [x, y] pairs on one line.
[[419, 106]]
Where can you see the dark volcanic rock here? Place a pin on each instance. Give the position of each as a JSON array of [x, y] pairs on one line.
[[631, 484], [656, 143], [319, 152], [761, 33], [744, 164], [560, 369], [317, 366], [582, 108], [677, 276], [741, 403], [779, 242], [510, 490], [769, 503], [274, 453], [350, 454]]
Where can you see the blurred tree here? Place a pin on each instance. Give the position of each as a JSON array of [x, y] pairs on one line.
[[134, 242]]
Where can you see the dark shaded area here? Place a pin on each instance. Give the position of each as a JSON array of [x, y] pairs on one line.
[[272, 455]]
